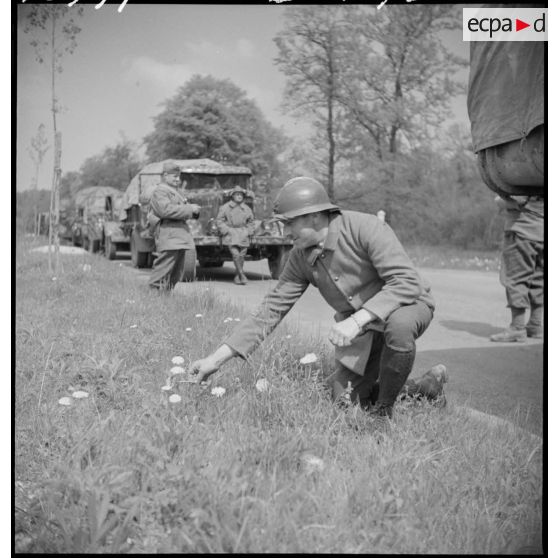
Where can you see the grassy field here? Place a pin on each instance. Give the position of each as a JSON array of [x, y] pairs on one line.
[[281, 470]]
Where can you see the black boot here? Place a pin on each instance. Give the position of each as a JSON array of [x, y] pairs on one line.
[[395, 367], [243, 278]]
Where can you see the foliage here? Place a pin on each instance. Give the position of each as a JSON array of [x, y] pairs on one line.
[[398, 73], [114, 167], [124, 471], [53, 31], [430, 196], [70, 183], [310, 57], [30, 203], [213, 118], [372, 82]]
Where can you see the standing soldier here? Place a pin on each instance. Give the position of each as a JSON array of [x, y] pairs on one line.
[[360, 268], [167, 217], [522, 267], [236, 224]]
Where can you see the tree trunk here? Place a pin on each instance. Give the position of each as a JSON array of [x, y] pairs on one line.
[[331, 158], [53, 236]]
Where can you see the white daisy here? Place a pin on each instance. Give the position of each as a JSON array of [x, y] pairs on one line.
[[308, 358]]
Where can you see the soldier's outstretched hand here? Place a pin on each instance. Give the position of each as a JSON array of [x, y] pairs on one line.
[[203, 368]]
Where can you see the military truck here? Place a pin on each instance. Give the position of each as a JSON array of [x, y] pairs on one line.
[[506, 108], [209, 184], [94, 206]]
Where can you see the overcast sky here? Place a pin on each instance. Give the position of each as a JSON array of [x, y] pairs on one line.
[[126, 64]]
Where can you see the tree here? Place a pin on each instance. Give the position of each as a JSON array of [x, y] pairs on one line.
[[53, 31], [214, 118], [37, 149], [310, 56], [115, 166], [398, 75], [70, 183]]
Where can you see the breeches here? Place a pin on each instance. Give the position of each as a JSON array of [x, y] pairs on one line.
[[522, 271], [238, 251], [167, 269], [397, 342]]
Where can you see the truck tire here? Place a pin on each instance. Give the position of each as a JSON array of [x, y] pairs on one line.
[[277, 261], [110, 248], [139, 259], [189, 273], [94, 246]]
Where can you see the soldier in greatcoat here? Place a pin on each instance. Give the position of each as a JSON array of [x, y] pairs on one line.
[[360, 268], [167, 215], [235, 221]]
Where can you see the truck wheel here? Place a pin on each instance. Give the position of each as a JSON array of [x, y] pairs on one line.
[[139, 259], [278, 260], [189, 273], [94, 246], [110, 248]]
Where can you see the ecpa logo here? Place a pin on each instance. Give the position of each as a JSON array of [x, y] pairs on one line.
[[505, 24]]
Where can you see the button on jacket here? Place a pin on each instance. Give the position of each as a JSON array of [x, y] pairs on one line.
[[172, 232], [362, 265], [236, 223]]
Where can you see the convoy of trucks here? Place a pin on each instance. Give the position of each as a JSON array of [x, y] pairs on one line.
[[207, 183]]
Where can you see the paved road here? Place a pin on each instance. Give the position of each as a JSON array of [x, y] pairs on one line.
[[502, 379]]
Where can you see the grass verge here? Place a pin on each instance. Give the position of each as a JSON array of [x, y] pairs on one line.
[[282, 470]]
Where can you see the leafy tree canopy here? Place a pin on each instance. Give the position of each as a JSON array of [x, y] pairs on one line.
[[214, 118], [115, 166]]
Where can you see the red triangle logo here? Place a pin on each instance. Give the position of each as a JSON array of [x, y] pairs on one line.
[[519, 25]]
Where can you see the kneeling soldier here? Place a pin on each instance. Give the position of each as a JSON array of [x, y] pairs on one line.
[[360, 268]]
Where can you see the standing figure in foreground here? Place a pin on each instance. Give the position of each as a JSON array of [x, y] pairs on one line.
[[235, 221], [167, 217], [522, 267], [382, 305]]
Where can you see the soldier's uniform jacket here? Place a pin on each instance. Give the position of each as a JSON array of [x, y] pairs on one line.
[[235, 223], [362, 265], [171, 233]]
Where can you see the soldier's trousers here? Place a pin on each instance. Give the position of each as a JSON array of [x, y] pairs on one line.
[[522, 271], [167, 269], [390, 362], [238, 254]]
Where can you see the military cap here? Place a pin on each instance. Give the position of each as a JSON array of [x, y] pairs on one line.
[[238, 190], [171, 167]]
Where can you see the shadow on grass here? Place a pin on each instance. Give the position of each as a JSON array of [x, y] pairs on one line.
[[479, 329], [496, 380]]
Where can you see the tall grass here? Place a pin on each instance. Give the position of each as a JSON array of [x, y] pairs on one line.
[[282, 470]]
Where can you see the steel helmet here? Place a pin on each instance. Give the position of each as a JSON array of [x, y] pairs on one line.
[[300, 196]]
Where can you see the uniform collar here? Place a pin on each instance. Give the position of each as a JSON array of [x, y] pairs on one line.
[[330, 242]]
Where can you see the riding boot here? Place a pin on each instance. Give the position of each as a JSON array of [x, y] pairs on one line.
[[395, 367], [243, 278], [238, 267]]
